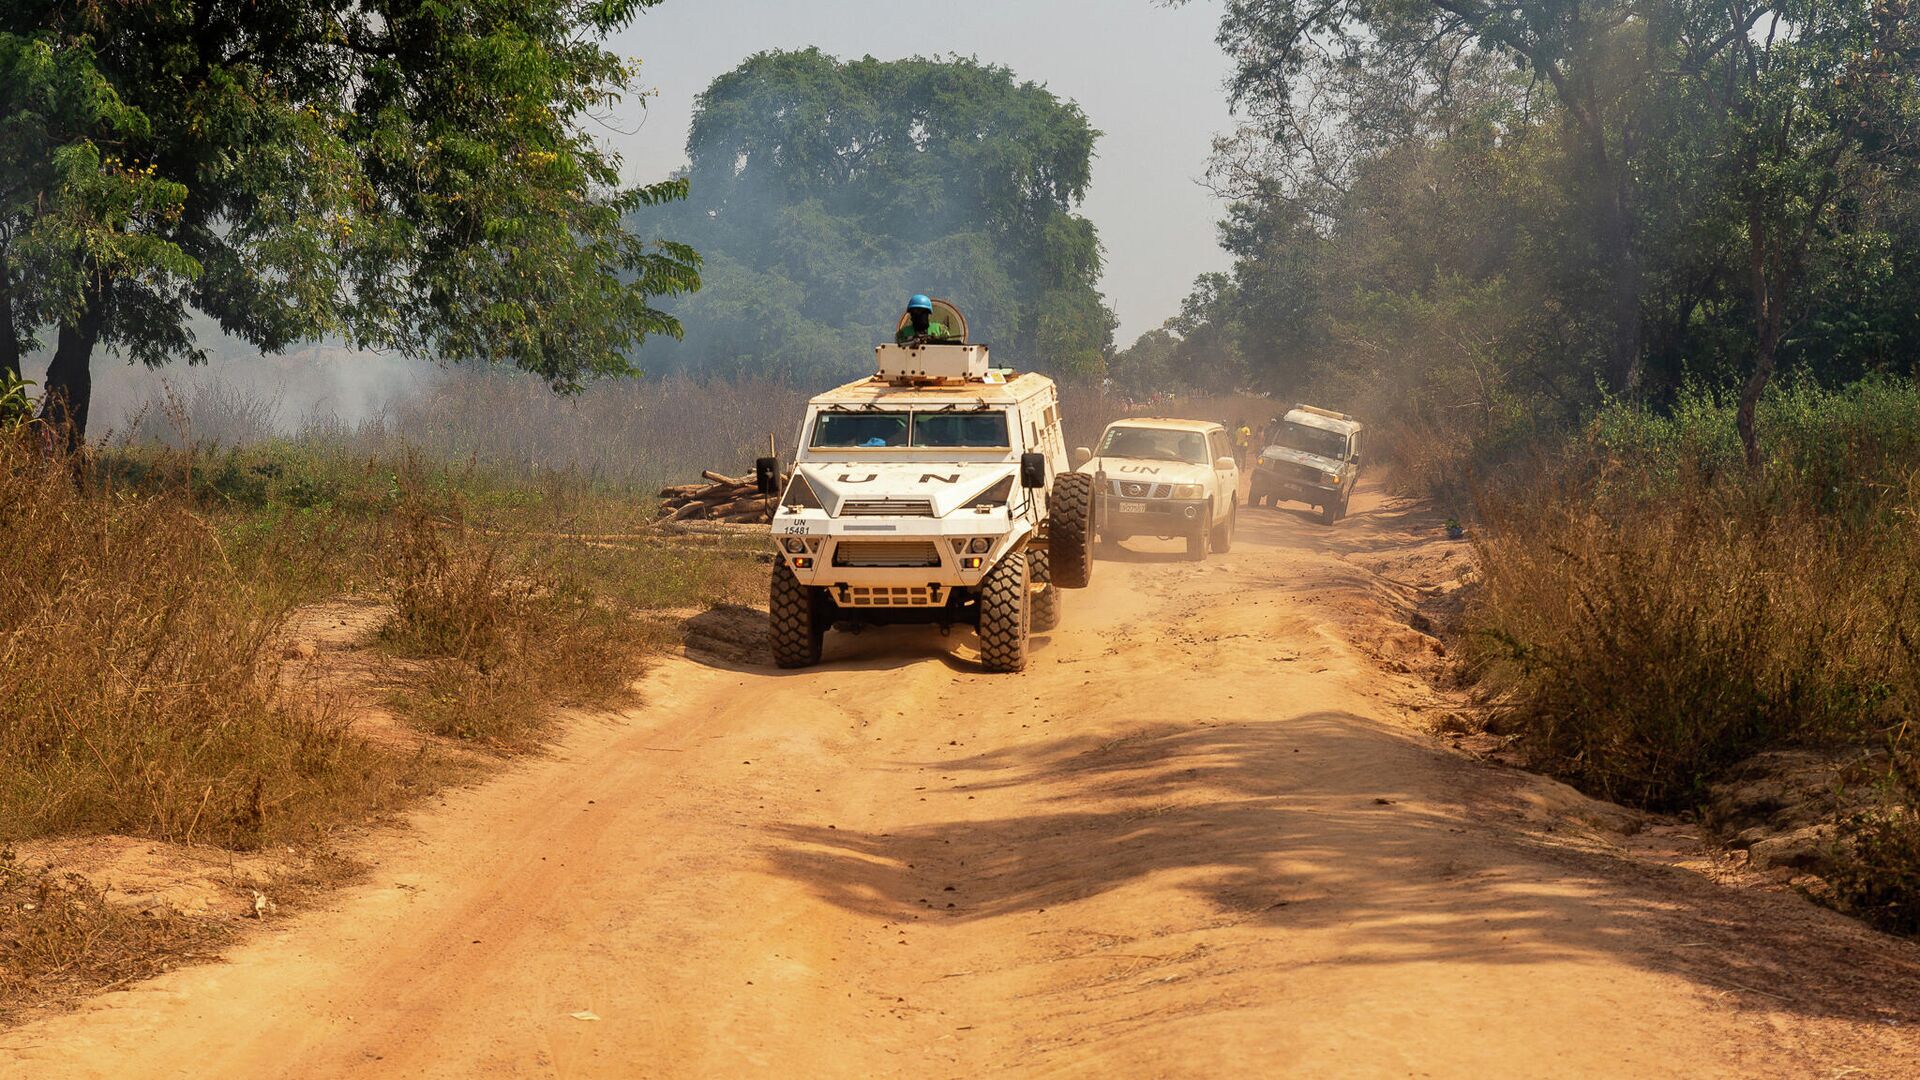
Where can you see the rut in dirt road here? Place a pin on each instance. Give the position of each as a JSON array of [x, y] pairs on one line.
[[1201, 836]]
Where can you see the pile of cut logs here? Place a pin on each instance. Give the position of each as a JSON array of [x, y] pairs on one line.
[[721, 498]]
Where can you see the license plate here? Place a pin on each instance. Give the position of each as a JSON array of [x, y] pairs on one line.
[[1133, 508]]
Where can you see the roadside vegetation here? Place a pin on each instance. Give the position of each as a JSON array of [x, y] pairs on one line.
[[1632, 292], [149, 652]]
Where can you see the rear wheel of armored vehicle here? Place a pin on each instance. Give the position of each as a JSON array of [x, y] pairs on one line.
[[1202, 532], [1070, 531], [1046, 595], [1223, 533], [796, 622], [1004, 615]]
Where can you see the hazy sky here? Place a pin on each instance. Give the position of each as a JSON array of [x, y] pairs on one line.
[[1148, 76]]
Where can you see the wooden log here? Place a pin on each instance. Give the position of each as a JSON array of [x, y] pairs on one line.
[[722, 478], [691, 510]]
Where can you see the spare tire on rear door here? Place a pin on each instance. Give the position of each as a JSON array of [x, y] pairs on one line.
[[1070, 530]]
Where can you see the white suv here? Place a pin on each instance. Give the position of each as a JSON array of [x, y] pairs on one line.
[[1165, 478]]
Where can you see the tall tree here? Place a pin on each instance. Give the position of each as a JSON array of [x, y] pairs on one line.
[[406, 174], [1820, 109], [1595, 59], [825, 192]]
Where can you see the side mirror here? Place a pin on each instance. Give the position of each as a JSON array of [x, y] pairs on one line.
[[1033, 470], [766, 475], [1081, 455], [1355, 459], [1225, 463]]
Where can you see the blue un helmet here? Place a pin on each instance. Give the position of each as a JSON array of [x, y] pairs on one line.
[[919, 302]]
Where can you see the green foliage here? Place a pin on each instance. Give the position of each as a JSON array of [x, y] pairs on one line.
[[823, 193], [1449, 214], [418, 176], [16, 405]]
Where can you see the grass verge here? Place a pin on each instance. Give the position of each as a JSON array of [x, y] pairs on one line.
[[1650, 615], [143, 636]]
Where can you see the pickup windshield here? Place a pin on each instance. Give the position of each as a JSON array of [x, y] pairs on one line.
[[918, 430], [1155, 444], [1312, 440]]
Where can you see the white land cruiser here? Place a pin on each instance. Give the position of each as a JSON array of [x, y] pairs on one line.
[[937, 491], [1165, 478], [1314, 458]]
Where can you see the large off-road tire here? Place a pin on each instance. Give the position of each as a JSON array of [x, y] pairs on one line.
[[1046, 595], [1223, 533], [797, 625], [1004, 615], [1202, 532], [1331, 512], [1070, 530]]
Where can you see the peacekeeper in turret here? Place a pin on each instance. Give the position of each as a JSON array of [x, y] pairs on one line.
[[920, 325]]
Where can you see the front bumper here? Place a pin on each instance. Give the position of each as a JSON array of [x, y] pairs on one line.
[[1121, 517], [1297, 488], [891, 563]]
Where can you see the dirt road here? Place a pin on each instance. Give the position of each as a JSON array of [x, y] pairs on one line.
[[1203, 836]]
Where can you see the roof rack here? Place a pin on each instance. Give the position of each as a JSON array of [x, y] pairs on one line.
[[1328, 413]]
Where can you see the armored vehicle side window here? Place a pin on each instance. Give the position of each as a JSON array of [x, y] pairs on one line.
[[860, 429], [1313, 440], [963, 430]]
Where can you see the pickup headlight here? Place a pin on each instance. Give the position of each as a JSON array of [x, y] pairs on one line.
[[1330, 477], [1188, 491]]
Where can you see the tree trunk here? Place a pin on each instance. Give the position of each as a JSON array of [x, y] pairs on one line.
[[1769, 315], [1763, 362], [1628, 364], [69, 388], [9, 339]]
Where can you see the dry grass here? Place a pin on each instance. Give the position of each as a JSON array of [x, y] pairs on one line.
[[140, 658], [59, 937], [1644, 647], [1650, 615], [136, 662]]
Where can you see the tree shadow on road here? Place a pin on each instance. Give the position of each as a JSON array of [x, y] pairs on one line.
[[1285, 824]]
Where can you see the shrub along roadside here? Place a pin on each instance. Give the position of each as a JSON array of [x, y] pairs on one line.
[[1650, 614], [140, 648]]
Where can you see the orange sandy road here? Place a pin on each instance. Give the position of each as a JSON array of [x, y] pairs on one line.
[[1195, 839]]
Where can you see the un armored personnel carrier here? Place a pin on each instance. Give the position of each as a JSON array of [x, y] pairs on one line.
[[938, 490]]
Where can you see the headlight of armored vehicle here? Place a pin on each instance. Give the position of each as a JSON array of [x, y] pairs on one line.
[[1188, 491]]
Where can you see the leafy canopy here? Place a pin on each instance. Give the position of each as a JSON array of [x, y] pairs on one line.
[[408, 174], [823, 193]]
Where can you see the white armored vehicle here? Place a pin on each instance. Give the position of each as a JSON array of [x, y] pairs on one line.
[[936, 491], [1314, 458]]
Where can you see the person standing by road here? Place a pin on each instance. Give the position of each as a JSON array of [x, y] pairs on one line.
[[1243, 444]]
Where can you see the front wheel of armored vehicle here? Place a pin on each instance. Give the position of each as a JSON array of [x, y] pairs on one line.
[[1223, 533], [797, 625], [1070, 531], [1046, 595], [1004, 615]]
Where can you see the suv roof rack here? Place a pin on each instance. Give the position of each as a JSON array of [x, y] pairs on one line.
[[1328, 413]]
